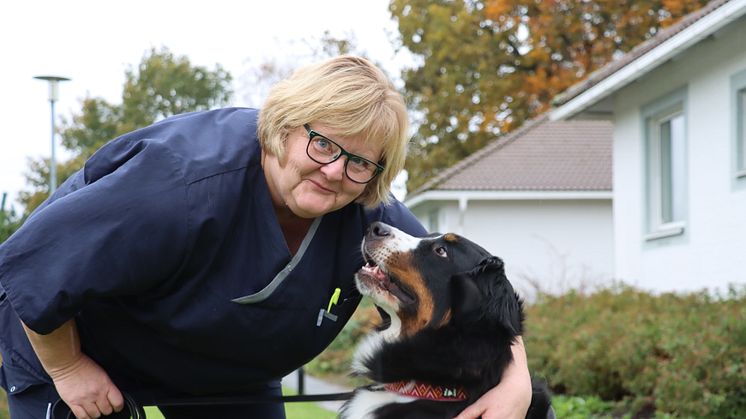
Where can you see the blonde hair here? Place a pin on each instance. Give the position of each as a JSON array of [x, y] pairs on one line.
[[349, 95]]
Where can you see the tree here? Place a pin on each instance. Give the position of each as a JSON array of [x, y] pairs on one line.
[[9, 220], [160, 86], [484, 67], [266, 72]]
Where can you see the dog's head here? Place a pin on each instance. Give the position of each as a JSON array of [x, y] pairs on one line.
[[436, 280]]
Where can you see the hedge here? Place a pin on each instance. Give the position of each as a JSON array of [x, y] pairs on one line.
[[682, 355]]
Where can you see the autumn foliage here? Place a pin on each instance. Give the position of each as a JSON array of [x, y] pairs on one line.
[[484, 67]]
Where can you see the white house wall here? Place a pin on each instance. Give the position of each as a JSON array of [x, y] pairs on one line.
[[711, 253], [552, 244]]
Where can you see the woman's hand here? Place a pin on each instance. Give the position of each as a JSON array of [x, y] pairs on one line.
[[87, 389], [80, 382], [511, 398]]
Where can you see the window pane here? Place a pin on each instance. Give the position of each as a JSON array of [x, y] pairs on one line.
[[742, 130], [678, 167], [666, 191], [672, 165], [433, 217]]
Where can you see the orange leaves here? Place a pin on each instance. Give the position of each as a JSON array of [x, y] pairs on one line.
[[486, 66]]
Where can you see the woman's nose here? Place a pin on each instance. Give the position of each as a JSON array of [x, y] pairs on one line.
[[334, 170]]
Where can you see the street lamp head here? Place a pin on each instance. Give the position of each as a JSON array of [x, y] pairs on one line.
[[53, 80]]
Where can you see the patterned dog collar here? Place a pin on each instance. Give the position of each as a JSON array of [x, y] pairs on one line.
[[427, 391]]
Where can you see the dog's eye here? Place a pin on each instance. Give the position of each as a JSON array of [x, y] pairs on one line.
[[440, 250]]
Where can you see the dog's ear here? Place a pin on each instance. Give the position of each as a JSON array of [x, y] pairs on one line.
[[468, 297], [486, 293], [504, 304]]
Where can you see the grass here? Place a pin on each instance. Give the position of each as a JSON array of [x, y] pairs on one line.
[[292, 410], [3, 405], [305, 410]]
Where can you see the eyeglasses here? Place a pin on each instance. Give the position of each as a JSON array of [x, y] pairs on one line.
[[322, 150]]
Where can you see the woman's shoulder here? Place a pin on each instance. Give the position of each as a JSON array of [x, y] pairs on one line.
[[396, 214], [201, 144]]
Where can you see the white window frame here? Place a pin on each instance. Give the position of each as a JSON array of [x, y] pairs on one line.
[[741, 133], [666, 167], [433, 219], [738, 124]]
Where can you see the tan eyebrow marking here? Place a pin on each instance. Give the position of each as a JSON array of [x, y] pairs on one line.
[[450, 237]]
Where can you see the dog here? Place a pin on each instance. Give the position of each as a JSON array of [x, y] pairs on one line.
[[450, 318]]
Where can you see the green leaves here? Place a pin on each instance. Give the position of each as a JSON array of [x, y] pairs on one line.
[[9, 220], [163, 85], [160, 86], [680, 354], [484, 67]]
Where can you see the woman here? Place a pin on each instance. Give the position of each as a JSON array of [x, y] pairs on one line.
[[193, 257]]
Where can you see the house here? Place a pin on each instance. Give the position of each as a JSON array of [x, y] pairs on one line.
[[540, 198], [678, 107]]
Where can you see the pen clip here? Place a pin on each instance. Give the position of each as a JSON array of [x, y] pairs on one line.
[[334, 300], [325, 314]]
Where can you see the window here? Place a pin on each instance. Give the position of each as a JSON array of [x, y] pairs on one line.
[[666, 172], [433, 220], [741, 133], [738, 124], [671, 168]]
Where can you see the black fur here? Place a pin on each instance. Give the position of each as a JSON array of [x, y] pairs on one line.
[[471, 349]]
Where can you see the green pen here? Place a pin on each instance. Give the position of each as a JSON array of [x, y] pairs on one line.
[[334, 300], [328, 312]]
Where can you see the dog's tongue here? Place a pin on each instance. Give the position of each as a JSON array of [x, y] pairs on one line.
[[375, 272]]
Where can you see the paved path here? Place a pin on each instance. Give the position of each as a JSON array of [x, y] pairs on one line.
[[315, 386]]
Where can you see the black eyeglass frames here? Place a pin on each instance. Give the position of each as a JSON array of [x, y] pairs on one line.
[[323, 150]]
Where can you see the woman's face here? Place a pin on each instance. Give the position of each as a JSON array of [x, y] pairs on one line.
[[310, 189]]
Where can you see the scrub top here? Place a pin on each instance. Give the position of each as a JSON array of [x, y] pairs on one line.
[[166, 251]]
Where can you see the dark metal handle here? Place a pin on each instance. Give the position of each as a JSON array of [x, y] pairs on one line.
[[60, 410]]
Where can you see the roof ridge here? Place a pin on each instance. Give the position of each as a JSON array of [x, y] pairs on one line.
[[489, 148], [640, 49]]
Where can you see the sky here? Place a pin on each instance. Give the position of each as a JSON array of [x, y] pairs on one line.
[[94, 42]]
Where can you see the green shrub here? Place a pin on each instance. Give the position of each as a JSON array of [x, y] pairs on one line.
[[681, 354], [566, 407]]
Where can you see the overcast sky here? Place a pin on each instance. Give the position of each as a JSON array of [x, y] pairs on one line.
[[94, 42]]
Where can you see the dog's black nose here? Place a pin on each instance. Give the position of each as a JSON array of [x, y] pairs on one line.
[[378, 230]]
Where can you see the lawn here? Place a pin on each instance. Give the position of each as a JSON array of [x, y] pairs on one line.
[[292, 410]]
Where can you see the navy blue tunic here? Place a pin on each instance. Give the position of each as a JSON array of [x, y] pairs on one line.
[[149, 244]]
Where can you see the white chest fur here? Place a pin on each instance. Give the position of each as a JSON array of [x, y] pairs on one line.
[[374, 342], [365, 402]]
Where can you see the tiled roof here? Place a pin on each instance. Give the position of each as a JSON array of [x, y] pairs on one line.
[[636, 52], [540, 156]]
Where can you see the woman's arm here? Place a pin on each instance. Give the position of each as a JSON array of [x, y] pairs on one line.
[[81, 383], [509, 399]]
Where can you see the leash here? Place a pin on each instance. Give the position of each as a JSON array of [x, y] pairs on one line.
[[59, 410], [227, 400]]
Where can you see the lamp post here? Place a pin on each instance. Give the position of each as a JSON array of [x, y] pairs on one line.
[[53, 82]]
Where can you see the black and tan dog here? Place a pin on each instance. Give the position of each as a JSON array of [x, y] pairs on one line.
[[451, 317]]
